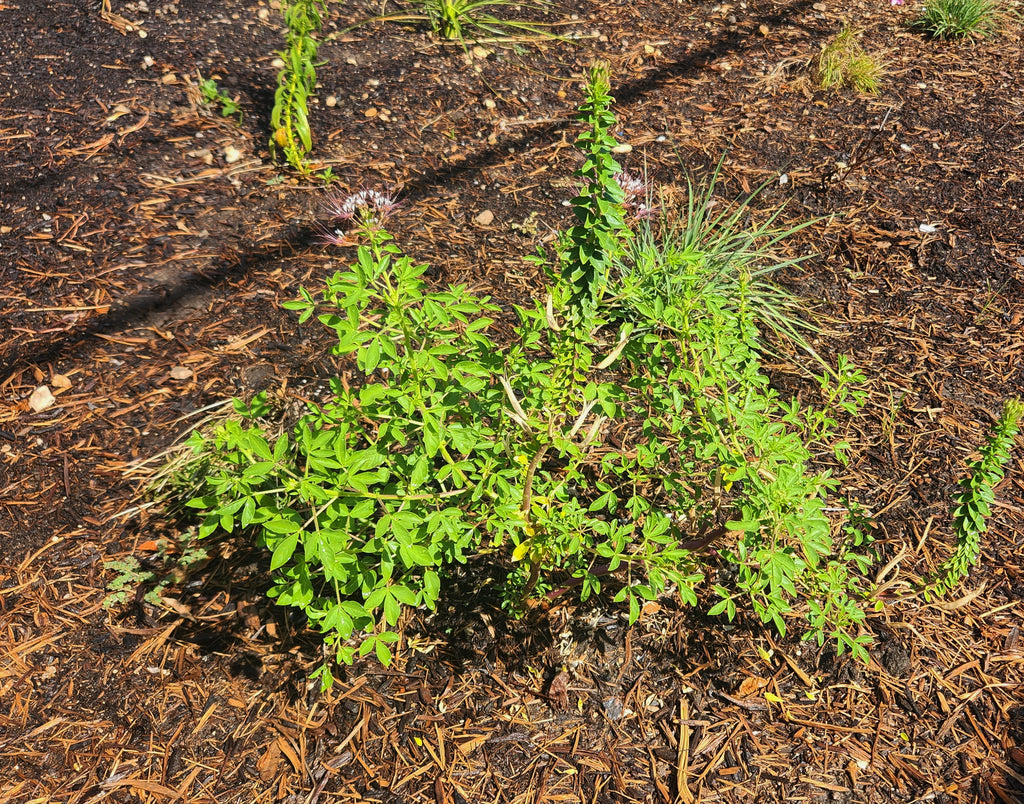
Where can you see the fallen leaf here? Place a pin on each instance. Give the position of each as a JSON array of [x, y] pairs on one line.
[[268, 764], [470, 743], [559, 691], [41, 399], [177, 607], [750, 685]]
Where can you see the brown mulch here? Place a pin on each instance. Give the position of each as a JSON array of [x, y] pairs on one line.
[[146, 245]]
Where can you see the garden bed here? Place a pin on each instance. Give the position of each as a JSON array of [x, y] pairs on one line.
[[147, 244]]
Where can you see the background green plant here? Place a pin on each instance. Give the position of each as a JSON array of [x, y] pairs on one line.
[[956, 19], [289, 119], [454, 445], [973, 503], [843, 62], [173, 560], [214, 95], [462, 20]]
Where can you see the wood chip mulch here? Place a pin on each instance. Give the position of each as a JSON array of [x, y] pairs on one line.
[[146, 245]]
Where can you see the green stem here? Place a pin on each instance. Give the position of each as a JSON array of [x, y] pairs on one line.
[[535, 563]]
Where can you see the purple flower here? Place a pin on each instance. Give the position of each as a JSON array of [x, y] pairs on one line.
[[367, 203], [637, 193], [370, 207], [895, 2], [334, 237], [632, 186]]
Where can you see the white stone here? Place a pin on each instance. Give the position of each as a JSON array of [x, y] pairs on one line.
[[41, 399]]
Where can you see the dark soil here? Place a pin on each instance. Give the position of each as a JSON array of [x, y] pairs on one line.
[[142, 234]]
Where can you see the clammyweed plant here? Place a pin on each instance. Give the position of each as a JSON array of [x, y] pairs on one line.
[[843, 62], [296, 81], [626, 439], [959, 19], [972, 505]]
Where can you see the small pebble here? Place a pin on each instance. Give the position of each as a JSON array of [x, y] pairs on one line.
[[612, 708], [41, 399]]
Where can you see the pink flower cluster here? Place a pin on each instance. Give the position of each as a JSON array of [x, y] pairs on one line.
[[370, 206], [638, 193]]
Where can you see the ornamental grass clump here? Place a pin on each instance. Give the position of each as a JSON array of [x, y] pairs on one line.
[[960, 19], [843, 62], [472, 20], [624, 442]]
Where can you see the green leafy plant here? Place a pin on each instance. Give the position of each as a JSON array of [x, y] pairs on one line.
[[171, 562], [625, 440], [956, 19], [296, 81], [214, 96], [588, 248], [973, 503], [843, 62], [327, 176]]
